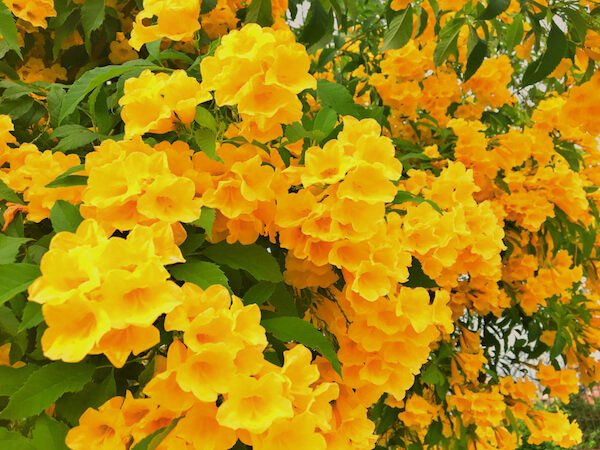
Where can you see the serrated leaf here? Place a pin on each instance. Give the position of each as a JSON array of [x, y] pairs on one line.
[[9, 248], [205, 118], [12, 440], [399, 31], [202, 273], [295, 329], [68, 179], [206, 220], [8, 29], [254, 259], [476, 57], [32, 316], [8, 194], [12, 378], [49, 434], [206, 139], [77, 140], [94, 78], [65, 216], [556, 46], [260, 12], [16, 278], [493, 9], [92, 17], [448, 40], [260, 292], [337, 97], [45, 386]]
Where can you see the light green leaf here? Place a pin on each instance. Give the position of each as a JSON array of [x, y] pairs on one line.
[[206, 139], [206, 220], [45, 386], [254, 259], [8, 194], [152, 441], [399, 31], [325, 122], [202, 273], [205, 118], [448, 39], [405, 196], [16, 278], [12, 440], [65, 216], [68, 179], [49, 434], [9, 248], [337, 97], [32, 316], [295, 329]]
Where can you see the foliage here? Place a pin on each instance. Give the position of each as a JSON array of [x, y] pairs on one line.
[[273, 224]]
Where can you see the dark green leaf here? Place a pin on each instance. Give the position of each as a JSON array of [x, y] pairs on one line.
[[260, 12], [16, 278], [8, 29], [12, 378], [65, 216], [207, 6], [447, 41], [202, 273], [556, 46], [318, 27], [493, 9], [94, 78], [405, 196], [295, 329], [8, 194], [92, 17], [68, 179], [32, 316], [260, 292], [399, 31], [9, 248], [476, 57], [45, 386], [254, 259]]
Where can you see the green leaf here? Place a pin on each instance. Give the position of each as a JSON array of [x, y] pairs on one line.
[[254, 259], [32, 316], [65, 216], [207, 6], [55, 98], [337, 97], [152, 441], [77, 139], [205, 119], [68, 179], [556, 46], [260, 292], [448, 40], [514, 33], [202, 273], [8, 29], [9, 195], [16, 278], [9, 248], [12, 378], [92, 17], [493, 9], [434, 434], [325, 122], [49, 434], [260, 12], [91, 79], [476, 57], [295, 329], [560, 341], [45, 386], [418, 278], [399, 31], [206, 139], [11, 440], [405, 196], [318, 27], [206, 220]]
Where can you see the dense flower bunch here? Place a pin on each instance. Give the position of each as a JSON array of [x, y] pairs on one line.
[[235, 226]]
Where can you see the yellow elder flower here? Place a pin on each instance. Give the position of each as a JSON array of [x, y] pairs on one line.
[[297, 432], [561, 383], [177, 20], [33, 11], [255, 404]]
